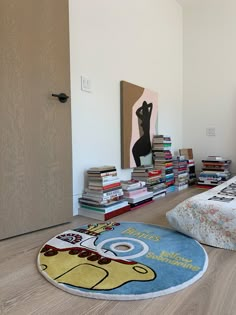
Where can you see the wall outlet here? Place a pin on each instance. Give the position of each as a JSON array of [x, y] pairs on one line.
[[85, 84], [211, 132]]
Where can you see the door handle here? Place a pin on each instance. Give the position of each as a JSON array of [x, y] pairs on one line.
[[62, 97]]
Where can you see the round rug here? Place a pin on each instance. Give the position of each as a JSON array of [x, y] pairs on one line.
[[122, 261]]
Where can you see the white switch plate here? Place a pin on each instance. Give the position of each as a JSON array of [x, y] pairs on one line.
[[85, 84], [211, 132]]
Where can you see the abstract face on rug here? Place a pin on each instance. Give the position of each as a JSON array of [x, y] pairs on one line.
[[138, 119]]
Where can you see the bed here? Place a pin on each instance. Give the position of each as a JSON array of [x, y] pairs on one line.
[[209, 217]]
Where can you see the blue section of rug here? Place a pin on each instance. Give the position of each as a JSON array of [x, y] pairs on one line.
[[122, 261]]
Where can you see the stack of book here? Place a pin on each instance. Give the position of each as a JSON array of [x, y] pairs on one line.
[[188, 154], [192, 178], [162, 159], [103, 198], [153, 179], [215, 170], [160, 143], [180, 168], [136, 193]]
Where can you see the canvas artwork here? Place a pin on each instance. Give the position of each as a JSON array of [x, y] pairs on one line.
[[138, 124]]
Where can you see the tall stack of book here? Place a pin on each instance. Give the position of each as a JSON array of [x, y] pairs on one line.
[[188, 154], [180, 168], [192, 178], [136, 193], [215, 170], [153, 179], [103, 199], [162, 159]]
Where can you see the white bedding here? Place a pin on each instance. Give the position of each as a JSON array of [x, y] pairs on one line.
[[209, 217]]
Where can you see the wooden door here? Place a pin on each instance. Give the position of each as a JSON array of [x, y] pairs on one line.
[[35, 128]]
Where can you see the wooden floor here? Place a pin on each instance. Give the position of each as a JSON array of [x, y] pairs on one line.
[[24, 291]]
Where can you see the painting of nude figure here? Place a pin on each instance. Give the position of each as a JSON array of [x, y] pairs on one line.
[[138, 124]]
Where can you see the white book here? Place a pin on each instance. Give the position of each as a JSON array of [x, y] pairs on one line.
[[163, 194], [140, 197], [107, 209], [104, 215], [91, 214]]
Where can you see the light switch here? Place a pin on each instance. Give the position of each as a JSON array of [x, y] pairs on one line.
[[85, 84], [211, 132]]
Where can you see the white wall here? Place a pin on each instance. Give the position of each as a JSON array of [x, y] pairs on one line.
[[209, 77], [139, 41]]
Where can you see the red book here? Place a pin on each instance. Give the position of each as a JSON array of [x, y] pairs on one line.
[[103, 216], [114, 185], [154, 173], [109, 215], [104, 187], [141, 204]]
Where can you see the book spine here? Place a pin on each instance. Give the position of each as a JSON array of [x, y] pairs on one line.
[[101, 171], [102, 200], [103, 183], [105, 203], [117, 212], [102, 179], [103, 174], [114, 185], [135, 192], [133, 186], [141, 204], [105, 209], [104, 193], [104, 187]]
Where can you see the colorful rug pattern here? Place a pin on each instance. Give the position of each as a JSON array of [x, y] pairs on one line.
[[122, 261]]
